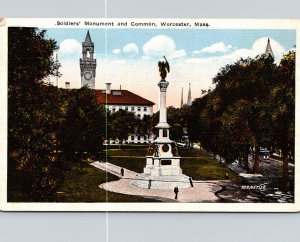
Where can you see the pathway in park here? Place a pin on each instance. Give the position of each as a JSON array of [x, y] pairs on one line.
[[203, 191]]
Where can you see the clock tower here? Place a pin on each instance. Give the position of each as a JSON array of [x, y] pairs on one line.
[[88, 63]]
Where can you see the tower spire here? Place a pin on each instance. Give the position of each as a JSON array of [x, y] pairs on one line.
[[56, 73], [181, 104], [269, 51], [88, 39], [189, 100]]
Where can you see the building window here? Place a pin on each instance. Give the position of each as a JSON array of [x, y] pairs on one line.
[[139, 109], [139, 116], [113, 109], [165, 133], [132, 108], [145, 109], [126, 108]]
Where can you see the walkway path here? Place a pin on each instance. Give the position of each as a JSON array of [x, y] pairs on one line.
[[203, 191]]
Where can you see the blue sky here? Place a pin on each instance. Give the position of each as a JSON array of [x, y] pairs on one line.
[[195, 55], [189, 40]]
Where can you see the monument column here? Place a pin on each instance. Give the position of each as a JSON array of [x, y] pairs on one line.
[[162, 160], [163, 109], [163, 126]]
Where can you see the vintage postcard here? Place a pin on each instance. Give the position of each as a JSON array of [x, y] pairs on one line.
[[171, 115]]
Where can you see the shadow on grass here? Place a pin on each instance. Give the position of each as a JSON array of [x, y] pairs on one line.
[[81, 185], [194, 163]]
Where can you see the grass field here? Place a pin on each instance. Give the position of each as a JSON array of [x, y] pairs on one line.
[[194, 163], [81, 183]]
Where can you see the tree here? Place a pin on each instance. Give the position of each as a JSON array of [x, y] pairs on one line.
[[84, 126], [282, 99], [236, 114], [33, 118], [176, 121], [30, 56], [145, 125], [121, 124]]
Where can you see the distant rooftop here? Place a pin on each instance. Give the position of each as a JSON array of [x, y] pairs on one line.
[[122, 97]]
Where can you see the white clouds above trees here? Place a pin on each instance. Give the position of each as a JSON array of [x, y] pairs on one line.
[[162, 45], [214, 48], [69, 48], [131, 48], [116, 51]]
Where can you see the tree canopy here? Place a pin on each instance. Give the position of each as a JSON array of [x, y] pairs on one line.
[[44, 122], [251, 106]]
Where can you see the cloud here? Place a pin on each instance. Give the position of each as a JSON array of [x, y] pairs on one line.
[[177, 54], [69, 48], [138, 75], [162, 45], [214, 48], [131, 48], [203, 69], [258, 48], [118, 61], [116, 51]]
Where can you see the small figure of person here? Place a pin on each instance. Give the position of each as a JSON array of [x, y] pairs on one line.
[[191, 182], [122, 171], [176, 190], [156, 148], [149, 184], [226, 176], [150, 149], [174, 149]]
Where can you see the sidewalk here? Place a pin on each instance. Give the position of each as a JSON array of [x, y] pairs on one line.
[[201, 192]]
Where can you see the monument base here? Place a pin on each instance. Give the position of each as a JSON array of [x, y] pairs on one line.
[[161, 182]]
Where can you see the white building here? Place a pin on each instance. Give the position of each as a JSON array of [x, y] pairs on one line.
[[116, 99]]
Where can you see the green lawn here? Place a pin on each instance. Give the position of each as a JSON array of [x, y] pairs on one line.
[[81, 185], [133, 159], [197, 164]]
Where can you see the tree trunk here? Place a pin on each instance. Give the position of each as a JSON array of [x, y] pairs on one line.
[[245, 161], [285, 171], [80, 159], [256, 160]]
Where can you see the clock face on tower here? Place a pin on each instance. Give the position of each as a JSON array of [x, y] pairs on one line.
[[88, 75]]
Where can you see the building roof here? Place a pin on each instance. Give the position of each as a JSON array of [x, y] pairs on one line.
[[122, 97]]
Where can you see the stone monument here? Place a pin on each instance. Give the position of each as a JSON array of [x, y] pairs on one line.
[[162, 169]]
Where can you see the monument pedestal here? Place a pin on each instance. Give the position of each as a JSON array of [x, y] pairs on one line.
[[162, 169]]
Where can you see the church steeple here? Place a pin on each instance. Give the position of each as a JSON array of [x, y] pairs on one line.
[[269, 51], [181, 104], [189, 100]]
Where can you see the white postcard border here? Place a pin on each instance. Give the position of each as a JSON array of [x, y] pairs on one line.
[[160, 207]]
